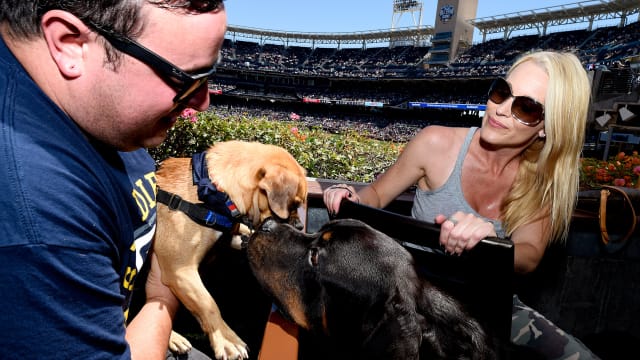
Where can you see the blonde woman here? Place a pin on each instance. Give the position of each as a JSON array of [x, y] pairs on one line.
[[516, 175]]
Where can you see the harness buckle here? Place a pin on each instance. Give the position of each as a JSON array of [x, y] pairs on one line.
[[210, 220], [174, 202]]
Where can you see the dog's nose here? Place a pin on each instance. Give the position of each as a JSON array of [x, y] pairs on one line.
[[298, 224], [268, 224]]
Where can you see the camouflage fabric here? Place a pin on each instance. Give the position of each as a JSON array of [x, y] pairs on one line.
[[529, 328]]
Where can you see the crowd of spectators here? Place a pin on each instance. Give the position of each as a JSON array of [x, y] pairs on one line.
[[325, 62], [601, 46], [320, 106]]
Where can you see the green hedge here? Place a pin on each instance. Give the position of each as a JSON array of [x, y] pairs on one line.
[[349, 156]]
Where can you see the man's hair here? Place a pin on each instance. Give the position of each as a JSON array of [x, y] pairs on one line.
[[23, 17]]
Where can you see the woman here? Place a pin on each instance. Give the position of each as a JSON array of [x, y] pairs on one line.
[[515, 176]]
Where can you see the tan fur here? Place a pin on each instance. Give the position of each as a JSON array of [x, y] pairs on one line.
[[262, 180]]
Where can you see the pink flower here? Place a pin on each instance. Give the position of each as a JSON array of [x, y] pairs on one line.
[[190, 114], [636, 170], [618, 182], [294, 130]]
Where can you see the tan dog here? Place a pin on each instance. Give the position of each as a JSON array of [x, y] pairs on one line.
[[263, 181]]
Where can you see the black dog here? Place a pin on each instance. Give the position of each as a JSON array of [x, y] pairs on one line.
[[357, 290]]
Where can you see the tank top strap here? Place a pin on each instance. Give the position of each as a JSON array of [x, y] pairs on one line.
[[463, 150]]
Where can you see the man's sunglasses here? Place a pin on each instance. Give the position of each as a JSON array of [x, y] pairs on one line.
[[185, 83], [204, 6], [524, 109]]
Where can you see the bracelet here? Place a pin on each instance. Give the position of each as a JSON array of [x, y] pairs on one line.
[[344, 187]]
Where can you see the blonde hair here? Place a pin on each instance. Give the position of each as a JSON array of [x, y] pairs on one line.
[[548, 177]]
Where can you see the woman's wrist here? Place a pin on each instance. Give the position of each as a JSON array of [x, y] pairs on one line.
[[350, 190]]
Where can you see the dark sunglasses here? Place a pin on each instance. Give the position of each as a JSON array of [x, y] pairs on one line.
[[524, 109], [186, 84], [205, 6]]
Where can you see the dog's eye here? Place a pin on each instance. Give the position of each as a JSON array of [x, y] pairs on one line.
[[313, 256]]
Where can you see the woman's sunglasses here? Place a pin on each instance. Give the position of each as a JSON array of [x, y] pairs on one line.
[[186, 84], [524, 109]]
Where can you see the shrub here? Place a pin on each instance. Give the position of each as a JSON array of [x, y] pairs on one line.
[[349, 156]]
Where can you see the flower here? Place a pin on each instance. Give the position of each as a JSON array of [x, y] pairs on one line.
[[293, 116], [619, 170], [618, 182], [190, 114], [297, 134]]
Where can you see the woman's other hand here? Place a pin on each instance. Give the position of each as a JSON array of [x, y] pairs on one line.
[[462, 231]]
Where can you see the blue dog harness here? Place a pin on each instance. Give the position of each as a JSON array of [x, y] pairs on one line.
[[216, 210]]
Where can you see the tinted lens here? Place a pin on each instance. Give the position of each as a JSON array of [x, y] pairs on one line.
[[205, 6], [525, 109], [189, 90], [499, 91]]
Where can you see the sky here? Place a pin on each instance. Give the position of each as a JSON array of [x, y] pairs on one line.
[[357, 15]]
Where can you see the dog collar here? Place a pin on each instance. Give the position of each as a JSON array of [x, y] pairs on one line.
[[208, 193]]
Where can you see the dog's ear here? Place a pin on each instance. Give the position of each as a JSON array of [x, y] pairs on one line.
[[281, 188]]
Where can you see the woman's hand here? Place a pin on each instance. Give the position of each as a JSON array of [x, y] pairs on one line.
[[334, 194], [462, 231]]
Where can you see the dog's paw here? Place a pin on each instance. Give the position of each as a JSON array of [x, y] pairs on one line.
[[229, 346], [239, 239], [178, 343], [237, 242]]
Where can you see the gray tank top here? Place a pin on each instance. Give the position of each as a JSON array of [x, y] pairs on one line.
[[449, 197]]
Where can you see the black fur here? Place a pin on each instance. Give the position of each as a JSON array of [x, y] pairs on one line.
[[357, 295]]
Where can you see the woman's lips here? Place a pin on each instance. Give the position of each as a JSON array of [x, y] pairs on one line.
[[495, 123]]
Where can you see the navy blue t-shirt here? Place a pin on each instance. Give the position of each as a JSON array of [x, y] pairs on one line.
[[76, 222]]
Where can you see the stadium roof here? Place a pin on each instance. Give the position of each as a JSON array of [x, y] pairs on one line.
[[363, 37], [541, 19]]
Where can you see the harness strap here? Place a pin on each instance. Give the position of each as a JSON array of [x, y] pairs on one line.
[[197, 212], [214, 198]]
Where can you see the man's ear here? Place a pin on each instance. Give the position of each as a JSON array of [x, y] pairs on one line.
[[66, 37]]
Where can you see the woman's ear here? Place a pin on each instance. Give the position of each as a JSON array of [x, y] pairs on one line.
[[66, 37]]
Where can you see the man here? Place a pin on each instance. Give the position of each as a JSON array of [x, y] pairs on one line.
[[85, 87]]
